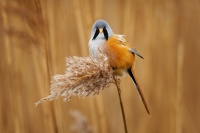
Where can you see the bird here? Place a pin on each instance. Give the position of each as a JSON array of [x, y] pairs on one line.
[[121, 55]]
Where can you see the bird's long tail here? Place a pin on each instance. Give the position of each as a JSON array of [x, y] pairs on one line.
[[131, 72]]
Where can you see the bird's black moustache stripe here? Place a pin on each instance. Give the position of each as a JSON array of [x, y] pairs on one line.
[[96, 34], [105, 32]]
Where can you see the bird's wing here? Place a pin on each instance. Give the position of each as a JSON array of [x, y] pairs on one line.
[[124, 43], [135, 52]]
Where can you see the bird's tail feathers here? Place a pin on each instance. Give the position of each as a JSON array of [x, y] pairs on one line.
[[131, 72]]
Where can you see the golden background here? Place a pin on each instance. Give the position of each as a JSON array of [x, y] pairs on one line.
[[37, 35]]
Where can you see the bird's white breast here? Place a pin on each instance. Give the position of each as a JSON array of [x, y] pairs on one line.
[[96, 46]]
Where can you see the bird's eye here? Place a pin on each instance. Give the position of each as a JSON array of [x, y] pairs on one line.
[[97, 29], [105, 32], [96, 33]]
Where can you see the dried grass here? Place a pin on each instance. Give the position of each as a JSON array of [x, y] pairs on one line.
[[84, 76], [81, 124]]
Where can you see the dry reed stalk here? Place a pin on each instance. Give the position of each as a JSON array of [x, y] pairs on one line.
[[121, 103], [179, 106]]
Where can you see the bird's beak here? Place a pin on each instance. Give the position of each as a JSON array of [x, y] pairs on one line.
[[101, 30]]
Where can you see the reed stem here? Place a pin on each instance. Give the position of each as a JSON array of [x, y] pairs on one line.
[[121, 104]]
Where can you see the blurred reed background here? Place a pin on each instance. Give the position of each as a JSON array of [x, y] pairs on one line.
[[37, 35]]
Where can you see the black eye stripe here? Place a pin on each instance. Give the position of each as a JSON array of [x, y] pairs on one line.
[[105, 32], [96, 33]]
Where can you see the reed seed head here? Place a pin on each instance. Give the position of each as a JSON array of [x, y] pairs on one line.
[[84, 76]]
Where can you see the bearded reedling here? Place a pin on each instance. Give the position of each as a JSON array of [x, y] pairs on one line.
[[121, 56]]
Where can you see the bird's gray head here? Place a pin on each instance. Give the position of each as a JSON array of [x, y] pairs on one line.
[[101, 27]]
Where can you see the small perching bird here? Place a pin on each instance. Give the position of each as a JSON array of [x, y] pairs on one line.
[[120, 54]]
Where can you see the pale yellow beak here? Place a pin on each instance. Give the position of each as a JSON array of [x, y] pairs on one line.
[[101, 30]]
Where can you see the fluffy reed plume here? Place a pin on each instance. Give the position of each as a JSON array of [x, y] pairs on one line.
[[81, 124], [84, 76]]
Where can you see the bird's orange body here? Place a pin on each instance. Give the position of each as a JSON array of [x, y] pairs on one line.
[[119, 57]]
